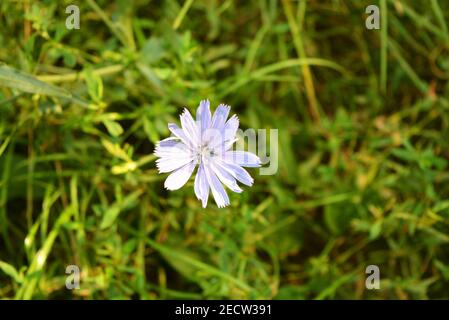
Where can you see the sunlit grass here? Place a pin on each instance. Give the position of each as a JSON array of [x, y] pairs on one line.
[[363, 149]]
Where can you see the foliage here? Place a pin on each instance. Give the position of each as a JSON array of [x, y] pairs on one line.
[[363, 150]]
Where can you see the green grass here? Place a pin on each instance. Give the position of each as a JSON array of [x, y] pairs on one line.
[[363, 120]]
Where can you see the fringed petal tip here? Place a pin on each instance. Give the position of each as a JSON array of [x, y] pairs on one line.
[[224, 105]]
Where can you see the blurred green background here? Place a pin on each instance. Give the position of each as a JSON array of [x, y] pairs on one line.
[[363, 149]]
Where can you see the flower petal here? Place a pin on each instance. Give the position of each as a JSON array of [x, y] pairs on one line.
[[203, 116], [219, 193], [178, 132], [189, 126], [171, 147], [179, 177], [238, 173], [170, 164], [223, 139], [214, 139], [242, 158], [231, 127], [173, 154], [220, 116], [225, 177], [201, 186]]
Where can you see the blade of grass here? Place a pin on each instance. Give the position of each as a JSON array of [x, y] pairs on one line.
[[266, 70], [440, 17], [383, 46], [114, 29], [421, 85], [182, 13], [73, 76], [4, 223], [419, 19], [16, 79], [198, 264], [193, 262], [33, 273], [307, 74]]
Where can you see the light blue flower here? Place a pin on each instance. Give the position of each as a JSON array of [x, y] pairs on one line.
[[206, 142]]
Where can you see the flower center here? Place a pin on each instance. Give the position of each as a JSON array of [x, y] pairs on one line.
[[204, 153]]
